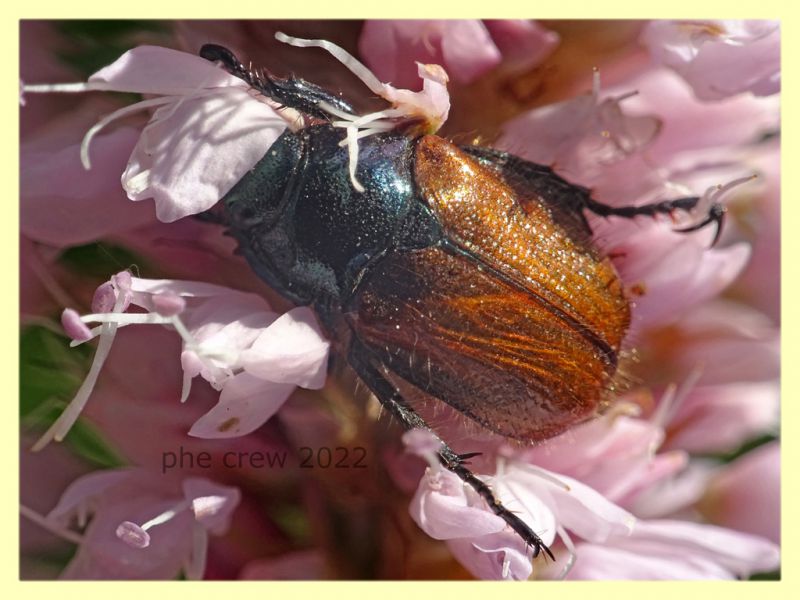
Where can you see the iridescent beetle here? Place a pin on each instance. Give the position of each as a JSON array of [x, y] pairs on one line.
[[458, 273]]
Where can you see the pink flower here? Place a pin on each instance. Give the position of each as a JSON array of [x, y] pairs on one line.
[[141, 526], [617, 496], [232, 339], [719, 58], [447, 509], [610, 461], [635, 148], [746, 496], [466, 48], [727, 341], [206, 133], [615, 454], [581, 135], [675, 550], [63, 205], [721, 418]]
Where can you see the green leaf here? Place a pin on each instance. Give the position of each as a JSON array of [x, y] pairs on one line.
[[746, 447], [49, 368], [292, 520], [93, 44], [101, 260], [50, 374], [771, 576]]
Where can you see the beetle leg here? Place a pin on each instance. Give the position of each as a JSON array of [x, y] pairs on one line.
[[716, 212], [569, 200], [289, 92], [392, 399]]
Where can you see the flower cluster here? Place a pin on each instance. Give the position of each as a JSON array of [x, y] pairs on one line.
[[653, 488]]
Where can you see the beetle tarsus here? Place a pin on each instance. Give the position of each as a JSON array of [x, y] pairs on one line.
[[716, 215]]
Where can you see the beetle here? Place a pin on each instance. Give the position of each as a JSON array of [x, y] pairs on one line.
[[459, 273]]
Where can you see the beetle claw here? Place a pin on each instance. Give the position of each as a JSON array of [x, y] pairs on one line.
[[716, 215]]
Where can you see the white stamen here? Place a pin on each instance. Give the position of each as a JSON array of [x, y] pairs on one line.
[[351, 123], [721, 190], [50, 525], [127, 318], [330, 108], [352, 151], [186, 386], [136, 535], [196, 566], [122, 320], [673, 397], [534, 470], [117, 114], [49, 88], [348, 60], [67, 419], [573, 555], [164, 516], [595, 82]]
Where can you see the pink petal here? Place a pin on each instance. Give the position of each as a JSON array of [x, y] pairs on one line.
[[675, 494], [162, 71], [421, 442], [391, 47], [760, 284], [613, 454], [168, 305], [676, 550], [485, 557], [676, 271], [229, 323], [191, 363], [441, 509], [730, 342], [85, 487], [103, 555], [719, 58], [746, 495], [722, 418], [467, 49], [523, 43], [62, 204], [740, 553], [580, 136], [575, 507], [291, 350], [195, 150], [688, 124], [606, 562], [246, 402]]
